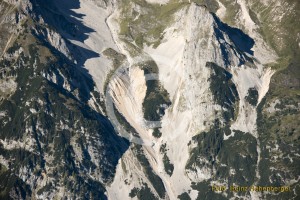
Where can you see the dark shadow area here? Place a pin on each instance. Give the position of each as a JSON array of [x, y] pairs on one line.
[[60, 17], [243, 43], [240, 39]]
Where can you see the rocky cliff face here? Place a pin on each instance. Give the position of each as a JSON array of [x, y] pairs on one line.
[[148, 99], [55, 141]]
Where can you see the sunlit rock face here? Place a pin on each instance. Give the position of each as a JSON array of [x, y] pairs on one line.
[[203, 94]]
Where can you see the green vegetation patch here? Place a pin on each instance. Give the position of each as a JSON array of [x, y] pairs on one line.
[[143, 193], [60, 115], [224, 90], [232, 10], [11, 185], [169, 167], [152, 177], [280, 128], [142, 22], [212, 5], [205, 191], [117, 59], [233, 160], [156, 133], [184, 196], [252, 96], [157, 98]]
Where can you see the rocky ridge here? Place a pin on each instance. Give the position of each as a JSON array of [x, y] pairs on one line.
[[206, 118]]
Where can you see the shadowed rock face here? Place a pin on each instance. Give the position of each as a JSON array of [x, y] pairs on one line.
[[225, 115], [54, 143]]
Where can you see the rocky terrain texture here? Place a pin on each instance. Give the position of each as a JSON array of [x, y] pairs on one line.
[[149, 99]]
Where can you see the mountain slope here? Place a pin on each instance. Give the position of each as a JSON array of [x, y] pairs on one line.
[[148, 99], [55, 143]]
